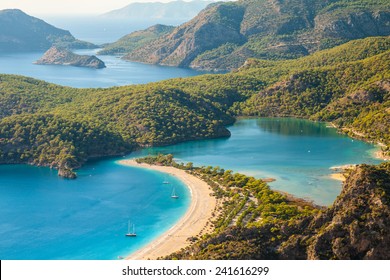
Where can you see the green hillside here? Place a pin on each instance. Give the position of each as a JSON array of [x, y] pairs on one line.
[[45, 124], [135, 40], [348, 85]]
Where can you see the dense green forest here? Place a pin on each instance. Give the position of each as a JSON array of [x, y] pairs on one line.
[[135, 40], [251, 221], [46, 124], [348, 85]]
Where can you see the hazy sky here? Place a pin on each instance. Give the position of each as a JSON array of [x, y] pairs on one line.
[[36, 7]]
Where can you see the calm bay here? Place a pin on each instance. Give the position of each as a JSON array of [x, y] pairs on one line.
[[45, 217]]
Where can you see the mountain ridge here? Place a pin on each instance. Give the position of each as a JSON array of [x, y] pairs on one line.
[[20, 32], [157, 10], [136, 39], [224, 35]]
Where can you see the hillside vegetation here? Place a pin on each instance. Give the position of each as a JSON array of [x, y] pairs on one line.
[[224, 35], [45, 124], [136, 40]]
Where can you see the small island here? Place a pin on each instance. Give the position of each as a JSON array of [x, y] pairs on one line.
[[62, 56]]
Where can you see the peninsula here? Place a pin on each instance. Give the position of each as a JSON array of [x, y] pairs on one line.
[[251, 221], [61, 56]]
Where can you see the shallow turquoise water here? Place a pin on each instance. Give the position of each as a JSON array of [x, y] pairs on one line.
[[45, 217], [297, 153]]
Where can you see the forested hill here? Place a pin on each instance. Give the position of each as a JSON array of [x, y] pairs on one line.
[[45, 124], [21, 32], [348, 85], [224, 35], [136, 39]]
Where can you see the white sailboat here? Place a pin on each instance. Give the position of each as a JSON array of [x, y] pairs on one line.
[[174, 195], [130, 233]]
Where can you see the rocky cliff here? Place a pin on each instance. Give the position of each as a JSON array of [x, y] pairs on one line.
[[224, 35], [21, 32], [213, 27], [357, 226], [60, 56]]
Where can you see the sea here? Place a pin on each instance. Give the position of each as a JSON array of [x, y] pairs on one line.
[[46, 217], [99, 31]]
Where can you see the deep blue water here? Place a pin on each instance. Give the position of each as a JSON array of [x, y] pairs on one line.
[[117, 73], [46, 217], [96, 30]]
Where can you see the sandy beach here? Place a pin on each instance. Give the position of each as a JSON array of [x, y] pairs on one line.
[[200, 211], [379, 154], [338, 177]]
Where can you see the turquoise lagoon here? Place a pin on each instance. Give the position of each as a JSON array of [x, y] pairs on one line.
[[45, 217], [297, 153]]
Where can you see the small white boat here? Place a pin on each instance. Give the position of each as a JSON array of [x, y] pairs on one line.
[[174, 195], [130, 233]]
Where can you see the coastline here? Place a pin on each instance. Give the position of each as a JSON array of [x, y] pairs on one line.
[[379, 154], [338, 176], [191, 224]]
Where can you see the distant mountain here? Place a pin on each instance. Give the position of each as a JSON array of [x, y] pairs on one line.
[[175, 9], [136, 39], [224, 35], [59, 56], [21, 32]]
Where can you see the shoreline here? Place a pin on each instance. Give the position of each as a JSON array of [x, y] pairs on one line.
[[379, 154], [191, 224], [338, 177]]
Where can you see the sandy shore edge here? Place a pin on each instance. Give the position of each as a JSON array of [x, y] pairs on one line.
[[191, 224], [338, 176]]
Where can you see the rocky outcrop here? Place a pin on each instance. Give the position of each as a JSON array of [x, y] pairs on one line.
[[224, 35], [59, 56], [357, 226], [66, 173], [354, 25], [21, 32], [214, 26]]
